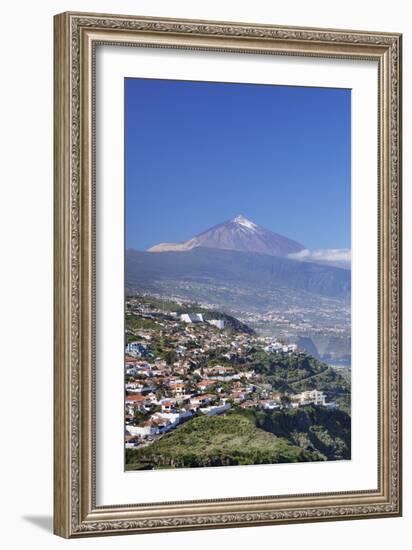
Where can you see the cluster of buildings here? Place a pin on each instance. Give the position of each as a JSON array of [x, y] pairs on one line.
[[187, 366], [278, 347]]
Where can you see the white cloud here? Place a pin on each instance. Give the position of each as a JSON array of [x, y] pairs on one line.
[[337, 256]]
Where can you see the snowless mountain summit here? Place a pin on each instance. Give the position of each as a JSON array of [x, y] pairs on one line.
[[240, 234]]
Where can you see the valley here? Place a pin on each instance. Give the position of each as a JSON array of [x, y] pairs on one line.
[[302, 302]]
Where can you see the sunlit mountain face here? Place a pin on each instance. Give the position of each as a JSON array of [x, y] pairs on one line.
[[239, 234]]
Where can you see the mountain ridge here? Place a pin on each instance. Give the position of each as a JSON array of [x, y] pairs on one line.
[[251, 270]]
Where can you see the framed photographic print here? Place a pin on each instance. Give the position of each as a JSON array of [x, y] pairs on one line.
[[227, 274]]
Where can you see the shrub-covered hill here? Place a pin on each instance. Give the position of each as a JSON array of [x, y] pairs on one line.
[[301, 372], [312, 428], [218, 441]]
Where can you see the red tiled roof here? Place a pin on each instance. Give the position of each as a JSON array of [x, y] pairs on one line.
[[135, 398]]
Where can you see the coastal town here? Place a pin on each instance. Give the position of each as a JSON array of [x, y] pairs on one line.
[[183, 361]]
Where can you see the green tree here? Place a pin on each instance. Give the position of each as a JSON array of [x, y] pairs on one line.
[[170, 356]]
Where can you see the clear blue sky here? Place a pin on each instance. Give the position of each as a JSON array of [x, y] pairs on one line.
[[199, 153]]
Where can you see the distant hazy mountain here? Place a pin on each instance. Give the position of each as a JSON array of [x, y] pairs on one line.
[[251, 273], [237, 234]]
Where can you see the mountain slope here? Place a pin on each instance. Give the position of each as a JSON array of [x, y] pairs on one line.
[[237, 234], [249, 271]]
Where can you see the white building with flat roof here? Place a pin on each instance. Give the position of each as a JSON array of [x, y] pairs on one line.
[[192, 318], [219, 323]]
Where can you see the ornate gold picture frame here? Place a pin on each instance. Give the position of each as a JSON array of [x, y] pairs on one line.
[[76, 511]]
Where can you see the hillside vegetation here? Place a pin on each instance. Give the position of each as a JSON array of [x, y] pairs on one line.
[[249, 437], [311, 428]]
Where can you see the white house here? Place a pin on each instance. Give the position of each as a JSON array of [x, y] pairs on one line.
[[290, 348], [131, 371], [174, 417], [168, 404], [270, 404], [273, 347], [219, 323], [204, 385], [217, 409], [309, 397], [145, 430], [137, 402], [192, 318], [134, 387], [178, 389], [136, 348], [200, 400]]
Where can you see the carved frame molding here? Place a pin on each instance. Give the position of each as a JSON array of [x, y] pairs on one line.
[[76, 36]]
